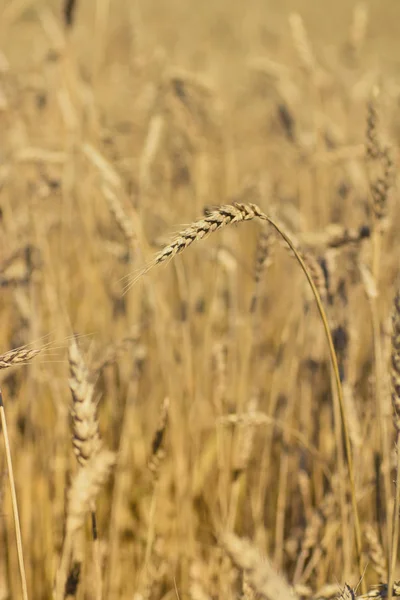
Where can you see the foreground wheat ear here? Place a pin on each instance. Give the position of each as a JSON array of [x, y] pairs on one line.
[[229, 214]]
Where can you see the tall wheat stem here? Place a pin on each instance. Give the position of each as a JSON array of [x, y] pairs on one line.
[[13, 500], [229, 214]]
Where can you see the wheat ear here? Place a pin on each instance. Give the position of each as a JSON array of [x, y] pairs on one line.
[[258, 570], [85, 427], [17, 357], [81, 497], [229, 214], [85, 430]]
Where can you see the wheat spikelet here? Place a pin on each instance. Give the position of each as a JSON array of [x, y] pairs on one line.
[[85, 428], [259, 572], [17, 356]]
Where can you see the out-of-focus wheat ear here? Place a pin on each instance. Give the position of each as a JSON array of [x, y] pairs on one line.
[[312, 532], [18, 356], [375, 552], [379, 159], [257, 569], [157, 447], [262, 262], [358, 29], [380, 187], [197, 587], [121, 218], [373, 148], [347, 593], [220, 376], [81, 497], [395, 378], [69, 12], [302, 43], [248, 592], [14, 502], [242, 449], [84, 423], [317, 273]]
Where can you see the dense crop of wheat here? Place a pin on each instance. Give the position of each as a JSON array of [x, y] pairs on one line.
[[200, 300]]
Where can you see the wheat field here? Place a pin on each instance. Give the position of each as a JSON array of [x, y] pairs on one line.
[[199, 276]]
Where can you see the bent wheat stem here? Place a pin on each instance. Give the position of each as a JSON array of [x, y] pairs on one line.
[[215, 220]]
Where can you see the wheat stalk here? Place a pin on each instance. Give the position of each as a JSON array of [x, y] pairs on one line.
[[13, 499], [395, 376], [223, 216]]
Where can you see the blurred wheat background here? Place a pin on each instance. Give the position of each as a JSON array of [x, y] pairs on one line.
[[175, 431]]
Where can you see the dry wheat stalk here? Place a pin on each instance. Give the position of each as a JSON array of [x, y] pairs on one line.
[[85, 427], [395, 377], [219, 217], [258, 570], [11, 478]]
